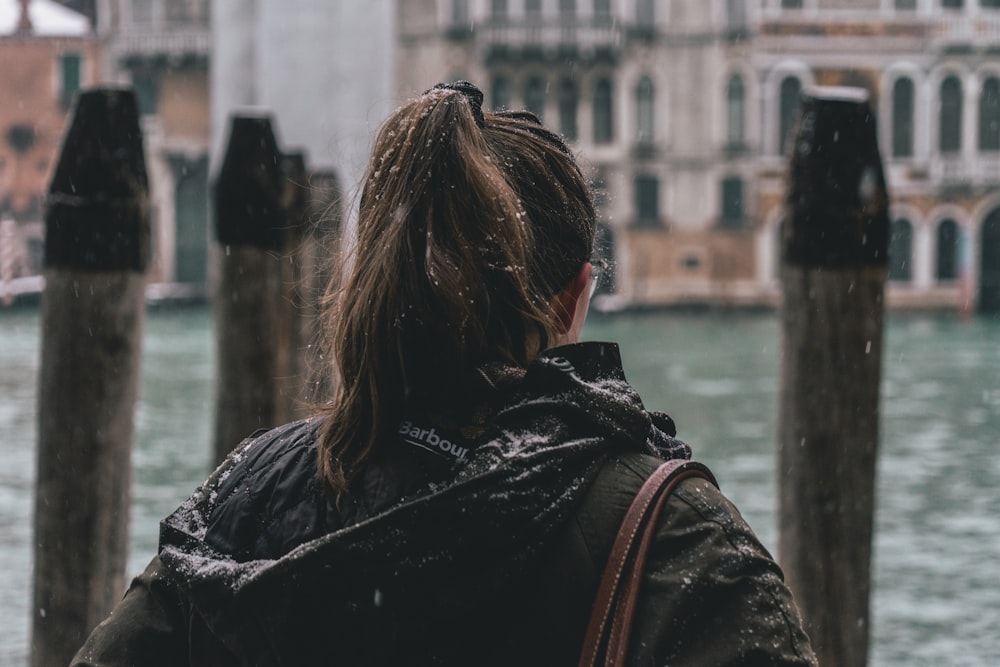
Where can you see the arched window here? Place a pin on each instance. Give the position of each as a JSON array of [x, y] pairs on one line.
[[647, 200], [603, 121], [735, 111], [568, 102], [645, 102], [989, 115], [947, 251], [950, 122], [534, 96], [500, 92], [788, 108], [901, 251], [732, 202], [902, 118], [989, 264]]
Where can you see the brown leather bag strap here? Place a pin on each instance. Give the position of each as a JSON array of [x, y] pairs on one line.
[[618, 592]]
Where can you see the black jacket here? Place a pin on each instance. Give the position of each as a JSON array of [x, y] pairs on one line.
[[466, 543]]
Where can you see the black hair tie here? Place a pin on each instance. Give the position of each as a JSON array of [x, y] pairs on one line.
[[472, 93]]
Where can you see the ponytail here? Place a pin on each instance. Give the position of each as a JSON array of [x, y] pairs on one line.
[[468, 225]]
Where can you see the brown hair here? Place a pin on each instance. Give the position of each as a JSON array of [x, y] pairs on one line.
[[468, 225]]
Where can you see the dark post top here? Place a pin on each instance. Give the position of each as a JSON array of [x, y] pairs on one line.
[[97, 211], [249, 188], [837, 197]]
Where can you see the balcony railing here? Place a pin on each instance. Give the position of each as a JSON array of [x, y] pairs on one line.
[[980, 30], [550, 37], [982, 169], [180, 43]]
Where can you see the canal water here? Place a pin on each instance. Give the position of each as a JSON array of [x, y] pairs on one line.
[[937, 552]]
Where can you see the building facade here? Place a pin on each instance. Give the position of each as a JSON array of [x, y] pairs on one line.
[[682, 111], [48, 53], [161, 49]]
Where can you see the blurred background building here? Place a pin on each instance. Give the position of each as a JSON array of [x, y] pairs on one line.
[[47, 52], [681, 110], [684, 109], [162, 49]]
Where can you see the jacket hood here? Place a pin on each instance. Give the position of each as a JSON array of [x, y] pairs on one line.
[[422, 571]]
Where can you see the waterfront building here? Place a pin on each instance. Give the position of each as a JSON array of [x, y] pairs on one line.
[[161, 48], [683, 110], [47, 53]]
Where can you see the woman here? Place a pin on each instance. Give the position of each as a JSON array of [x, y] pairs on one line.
[[456, 501]]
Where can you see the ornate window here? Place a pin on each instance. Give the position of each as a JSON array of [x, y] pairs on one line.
[[732, 202], [645, 101], [788, 108], [902, 117], [500, 92], [989, 115], [70, 72], [647, 200], [569, 99], [901, 251], [735, 111], [947, 251], [950, 121], [534, 96]]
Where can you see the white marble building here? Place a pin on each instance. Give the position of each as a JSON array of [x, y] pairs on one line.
[[682, 107]]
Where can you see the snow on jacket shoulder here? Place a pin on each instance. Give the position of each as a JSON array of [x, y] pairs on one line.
[[497, 566], [711, 594]]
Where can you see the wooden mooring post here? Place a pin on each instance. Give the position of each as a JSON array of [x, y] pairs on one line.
[[834, 245], [260, 219], [97, 236]]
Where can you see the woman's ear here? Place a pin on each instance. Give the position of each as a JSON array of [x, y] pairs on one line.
[[572, 302]]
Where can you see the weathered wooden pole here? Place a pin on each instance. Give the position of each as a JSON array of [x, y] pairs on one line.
[[248, 215], [834, 244], [97, 237]]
